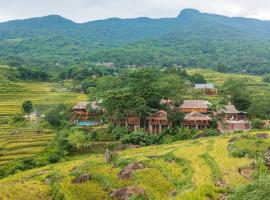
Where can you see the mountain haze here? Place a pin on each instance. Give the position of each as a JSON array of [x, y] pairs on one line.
[[192, 39]]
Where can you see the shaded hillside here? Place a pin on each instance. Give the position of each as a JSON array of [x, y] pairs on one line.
[[191, 39]]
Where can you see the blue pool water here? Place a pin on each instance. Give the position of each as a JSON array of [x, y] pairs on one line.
[[87, 123]]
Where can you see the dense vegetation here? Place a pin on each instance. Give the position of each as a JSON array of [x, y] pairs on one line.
[[193, 39]]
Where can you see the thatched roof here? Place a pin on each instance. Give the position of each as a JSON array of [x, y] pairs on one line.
[[195, 104], [161, 115], [81, 105], [194, 116], [230, 109]]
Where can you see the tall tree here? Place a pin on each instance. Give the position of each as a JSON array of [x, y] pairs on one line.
[[27, 107]]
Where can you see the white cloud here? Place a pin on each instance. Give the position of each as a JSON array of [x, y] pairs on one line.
[[86, 10]]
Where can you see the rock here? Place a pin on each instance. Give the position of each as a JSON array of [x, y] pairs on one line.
[[220, 183], [262, 135], [81, 178], [108, 156], [246, 172], [126, 193], [200, 135], [133, 146], [127, 172], [173, 193], [233, 139]]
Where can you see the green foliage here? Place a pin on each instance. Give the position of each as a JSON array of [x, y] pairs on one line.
[[57, 115], [237, 92], [27, 107], [139, 137], [248, 146], [257, 124], [119, 132], [257, 190], [27, 73]]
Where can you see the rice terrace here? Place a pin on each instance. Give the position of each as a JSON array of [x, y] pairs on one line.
[[175, 105]]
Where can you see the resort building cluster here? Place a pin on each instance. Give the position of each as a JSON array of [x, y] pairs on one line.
[[198, 114]]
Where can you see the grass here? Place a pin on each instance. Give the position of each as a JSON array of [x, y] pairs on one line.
[[219, 78], [181, 170], [210, 161]]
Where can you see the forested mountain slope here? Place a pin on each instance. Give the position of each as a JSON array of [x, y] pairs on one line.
[[191, 39]]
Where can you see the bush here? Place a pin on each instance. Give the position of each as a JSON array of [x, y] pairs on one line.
[[139, 137], [211, 132], [17, 119], [119, 132], [257, 124], [258, 190], [57, 115]]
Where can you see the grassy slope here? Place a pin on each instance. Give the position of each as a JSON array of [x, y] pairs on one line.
[[219, 78], [12, 94], [190, 168]]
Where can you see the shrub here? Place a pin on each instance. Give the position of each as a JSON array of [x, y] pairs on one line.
[[257, 190], [119, 132], [257, 124], [57, 115], [139, 137]]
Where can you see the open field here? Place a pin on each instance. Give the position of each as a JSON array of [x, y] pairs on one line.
[[192, 169], [219, 78]]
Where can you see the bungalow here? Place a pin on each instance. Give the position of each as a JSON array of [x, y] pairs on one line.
[[81, 110], [232, 120], [86, 110], [197, 120], [158, 121], [209, 88], [200, 106], [131, 121]]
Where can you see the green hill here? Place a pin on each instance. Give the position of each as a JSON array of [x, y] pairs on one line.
[[192, 39]]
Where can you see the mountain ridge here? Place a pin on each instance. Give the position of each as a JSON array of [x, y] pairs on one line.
[[192, 39]]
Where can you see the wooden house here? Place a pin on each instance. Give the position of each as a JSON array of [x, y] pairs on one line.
[[131, 121], [209, 88], [81, 111], [232, 120], [158, 122], [84, 111], [200, 106], [197, 121]]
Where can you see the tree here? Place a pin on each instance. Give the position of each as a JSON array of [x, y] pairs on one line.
[[237, 92], [27, 107], [57, 114]]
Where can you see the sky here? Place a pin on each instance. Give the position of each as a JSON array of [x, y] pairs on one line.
[[89, 10]]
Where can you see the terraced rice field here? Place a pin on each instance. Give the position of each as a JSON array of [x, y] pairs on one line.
[[42, 94], [21, 143], [27, 142], [194, 169]]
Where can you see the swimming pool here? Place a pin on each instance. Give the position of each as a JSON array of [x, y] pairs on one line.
[[87, 123]]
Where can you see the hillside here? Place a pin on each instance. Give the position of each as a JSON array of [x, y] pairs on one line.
[[192, 39], [193, 169], [25, 140]]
